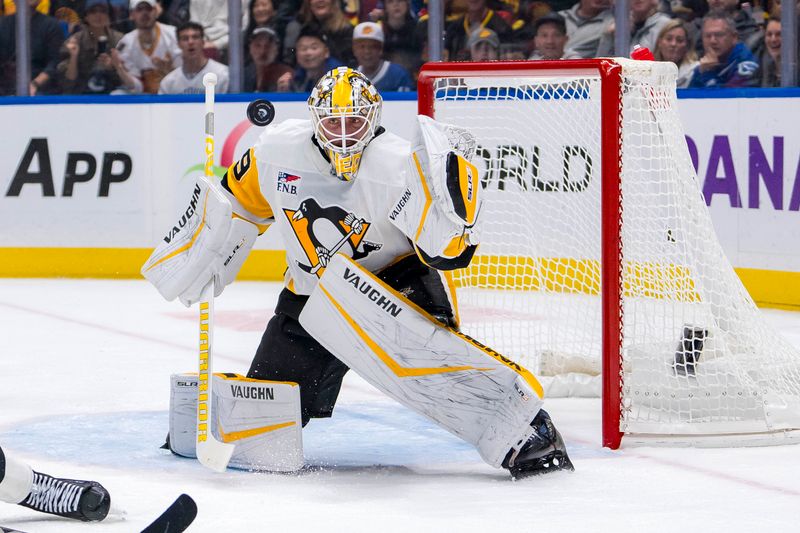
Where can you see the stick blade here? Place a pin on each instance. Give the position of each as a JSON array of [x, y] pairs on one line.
[[214, 454], [176, 518]]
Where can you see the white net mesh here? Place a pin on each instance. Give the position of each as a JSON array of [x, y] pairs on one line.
[[698, 359]]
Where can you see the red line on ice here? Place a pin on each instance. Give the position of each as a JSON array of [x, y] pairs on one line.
[[117, 331]]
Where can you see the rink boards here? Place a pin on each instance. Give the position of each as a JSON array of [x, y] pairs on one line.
[[86, 189]]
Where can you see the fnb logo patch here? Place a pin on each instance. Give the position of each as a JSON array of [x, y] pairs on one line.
[[286, 182]]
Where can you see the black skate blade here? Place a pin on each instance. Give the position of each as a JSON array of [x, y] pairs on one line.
[[543, 466], [176, 518], [9, 530]]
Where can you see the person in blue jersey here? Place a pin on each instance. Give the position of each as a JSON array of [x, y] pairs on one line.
[[726, 61], [368, 49]]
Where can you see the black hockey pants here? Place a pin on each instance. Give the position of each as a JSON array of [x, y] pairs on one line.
[[288, 353]]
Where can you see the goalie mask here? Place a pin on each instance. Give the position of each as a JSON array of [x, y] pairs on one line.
[[346, 112]]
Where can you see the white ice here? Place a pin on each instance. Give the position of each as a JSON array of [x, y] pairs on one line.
[[84, 384]]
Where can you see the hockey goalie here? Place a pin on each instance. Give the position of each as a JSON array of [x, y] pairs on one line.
[[371, 224]]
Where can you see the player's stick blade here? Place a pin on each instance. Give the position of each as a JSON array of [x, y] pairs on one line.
[[176, 518], [215, 454], [9, 530]]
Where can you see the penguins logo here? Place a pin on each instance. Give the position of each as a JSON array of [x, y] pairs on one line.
[[324, 231]]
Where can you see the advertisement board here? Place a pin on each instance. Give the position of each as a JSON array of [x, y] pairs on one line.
[[88, 189]]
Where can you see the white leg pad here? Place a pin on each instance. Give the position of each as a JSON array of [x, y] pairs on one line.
[[262, 418], [465, 387], [17, 482]]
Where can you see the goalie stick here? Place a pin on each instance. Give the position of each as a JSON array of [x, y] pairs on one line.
[[175, 519], [210, 452]]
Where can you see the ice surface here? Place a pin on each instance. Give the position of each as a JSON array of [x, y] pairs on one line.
[[84, 385]]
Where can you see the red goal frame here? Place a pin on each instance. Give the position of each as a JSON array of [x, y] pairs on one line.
[[610, 73]]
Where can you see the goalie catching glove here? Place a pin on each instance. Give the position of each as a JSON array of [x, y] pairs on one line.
[[205, 243], [440, 209]]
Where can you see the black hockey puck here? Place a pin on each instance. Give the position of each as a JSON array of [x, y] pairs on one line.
[[260, 112]]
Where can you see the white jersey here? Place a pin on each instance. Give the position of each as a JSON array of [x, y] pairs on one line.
[[177, 82], [138, 61], [316, 213]]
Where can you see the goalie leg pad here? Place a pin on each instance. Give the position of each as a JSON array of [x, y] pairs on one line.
[[261, 417], [465, 387]]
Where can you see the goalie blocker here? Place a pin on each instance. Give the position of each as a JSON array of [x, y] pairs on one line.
[[465, 387], [206, 242], [262, 418]]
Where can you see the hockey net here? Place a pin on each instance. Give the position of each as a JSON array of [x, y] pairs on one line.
[[599, 265]]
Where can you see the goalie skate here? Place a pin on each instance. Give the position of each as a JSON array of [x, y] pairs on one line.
[[88, 501], [543, 452]]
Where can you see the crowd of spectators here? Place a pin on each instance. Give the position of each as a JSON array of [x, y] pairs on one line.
[[166, 46]]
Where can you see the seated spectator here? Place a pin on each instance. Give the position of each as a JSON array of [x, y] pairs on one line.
[[484, 45], [326, 18], [509, 9], [188, 78], [726, 62], [522, 31], [263, 70], [399, 33], [550, 38], [121, 16], [46, 38], [771, 54], [672, 45], [646, 23], [477, 17], [421, 39], [368, 49], [176, 12], [587, 21], [746, 27], [364, 10], [144, 56], [212, 15], [688, 10], [285, 12], [313, 60], [261, 13], [87, 67]]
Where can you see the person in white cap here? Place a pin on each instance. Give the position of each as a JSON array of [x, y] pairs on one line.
[[368, 49], [484, 45], [144, 56]]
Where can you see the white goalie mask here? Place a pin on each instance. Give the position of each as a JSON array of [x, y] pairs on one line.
[[346, 112]]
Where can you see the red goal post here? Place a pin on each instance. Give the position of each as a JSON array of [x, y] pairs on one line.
[[645, 272]]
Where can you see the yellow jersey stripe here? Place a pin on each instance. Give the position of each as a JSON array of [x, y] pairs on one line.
[[245, 186]]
